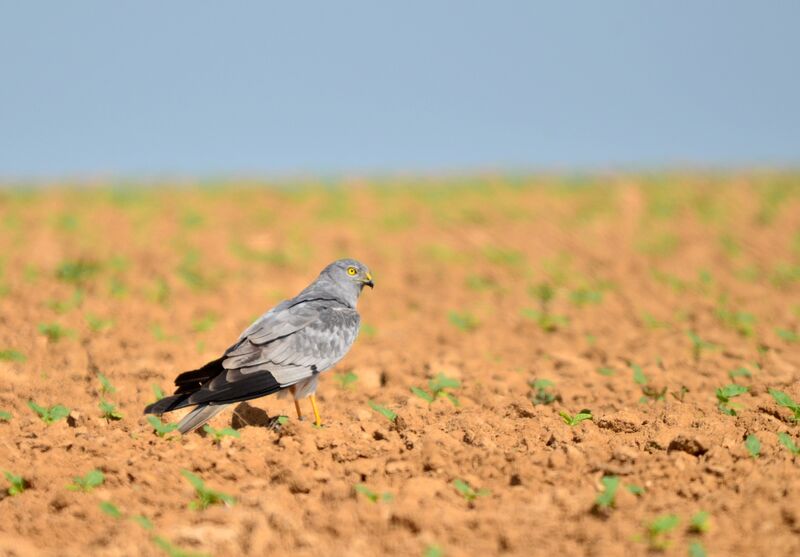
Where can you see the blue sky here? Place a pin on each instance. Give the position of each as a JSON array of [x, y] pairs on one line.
[[209, 88]]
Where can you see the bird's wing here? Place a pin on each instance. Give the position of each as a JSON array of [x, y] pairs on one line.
[[282, 348]]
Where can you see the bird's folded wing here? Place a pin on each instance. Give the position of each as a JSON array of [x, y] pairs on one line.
[[251, 367]]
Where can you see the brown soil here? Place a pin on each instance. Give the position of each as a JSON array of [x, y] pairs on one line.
[[635, 264]]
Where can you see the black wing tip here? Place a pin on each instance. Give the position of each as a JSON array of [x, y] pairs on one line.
[[167, 404]]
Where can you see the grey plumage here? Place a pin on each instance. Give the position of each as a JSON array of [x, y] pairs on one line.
[[287, 347]]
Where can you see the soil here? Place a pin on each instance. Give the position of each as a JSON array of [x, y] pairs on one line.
[[633, 266]]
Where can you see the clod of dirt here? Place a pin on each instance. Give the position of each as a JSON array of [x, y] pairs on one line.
[[688, 444], [623, 421]]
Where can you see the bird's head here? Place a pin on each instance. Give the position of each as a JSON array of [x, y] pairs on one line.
[[349, 274]]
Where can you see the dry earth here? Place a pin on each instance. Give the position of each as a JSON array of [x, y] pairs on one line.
[[145, 283]]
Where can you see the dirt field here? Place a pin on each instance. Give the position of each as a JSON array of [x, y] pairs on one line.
[[637, 297]]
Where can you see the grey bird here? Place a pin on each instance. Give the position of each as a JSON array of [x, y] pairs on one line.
[[283, 351]]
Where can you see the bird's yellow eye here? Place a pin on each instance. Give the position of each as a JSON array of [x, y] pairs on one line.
[[351, 271]]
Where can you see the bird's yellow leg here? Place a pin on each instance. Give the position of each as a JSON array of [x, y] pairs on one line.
[[317, 419], [297, 407]]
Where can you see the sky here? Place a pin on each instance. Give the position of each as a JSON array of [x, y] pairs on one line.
[[202, 88]]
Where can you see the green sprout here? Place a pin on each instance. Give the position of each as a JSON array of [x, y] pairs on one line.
[[17, 483], [606, 371], [433, 551], [173, 550], [157, 392], [698, 345], [696, 549], [786, 440], [143, 521], [787, 335], [205, 323], [463, 321], [606, 497], [740, 371], [787, 402], [88, 482], [572, 421], [346, 380], [753, 445], [438, 386], [105, 385], [219, 434], [110, 509], [724, 396], [160, 427], [109, 410], [49, 415], [10, 355], [700, 522], [371, 495], [468, 492], [54, 332], [546, 321], [205, 496], [77, 272], [97, 324], [542, 391], [658, 530], [5, 416], [383, 411]]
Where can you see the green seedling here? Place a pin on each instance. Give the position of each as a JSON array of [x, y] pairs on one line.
[[371, 495], [468, 492], [105, 385], [438, 386], [54, 332], [143, 521], [742, 322], [680, 394], [205, 496], [787, 335], [97, 324], [282, 420], [49, 415], [753, 445], [77, 272], [606, 371], [368, 330], [346, 380], [700, 523], [205, 323], [173, 550], [638, 375], [542, 393], [64, 306], [740, 371], [157, 392], [787, 402], [585, 296], [433, 551], [160, 427], [544, 294], [10, 355], [17, 484], [696, 549], [572, 421], [786, 440], [383, 411], [546, 321], [724, 396], [657, 531], [463, 321], [219, 434], [110, 509], [87, 482], [5, 416], [605, 499], [635, 489], [109, 411], [698, 345]]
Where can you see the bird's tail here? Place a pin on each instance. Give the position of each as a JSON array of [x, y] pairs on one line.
[[200, 415]]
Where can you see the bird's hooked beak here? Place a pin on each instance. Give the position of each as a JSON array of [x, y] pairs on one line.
[[368, 281]]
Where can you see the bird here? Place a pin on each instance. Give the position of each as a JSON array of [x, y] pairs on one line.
[[283, 351]]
